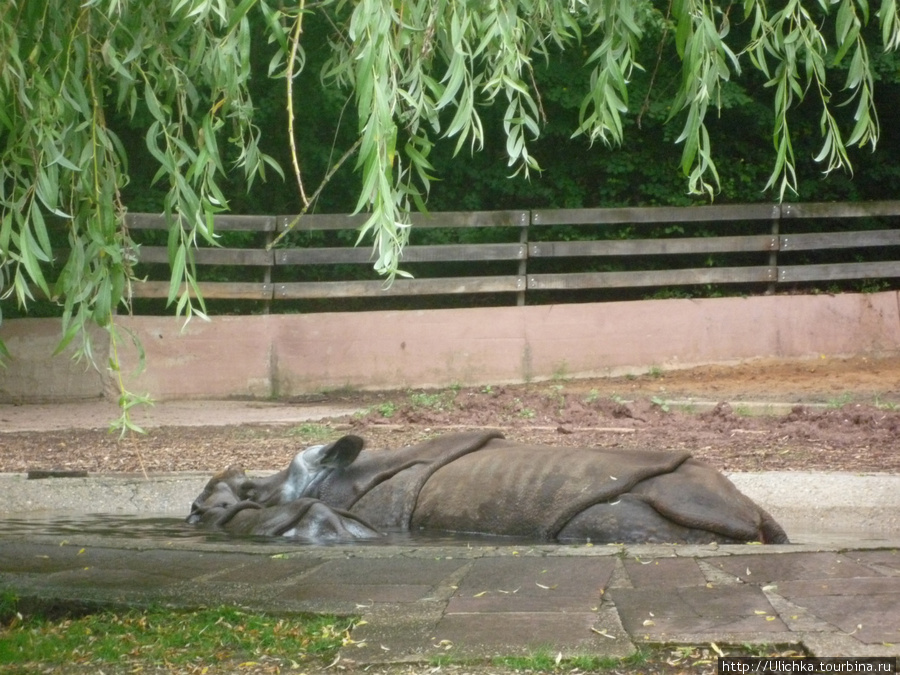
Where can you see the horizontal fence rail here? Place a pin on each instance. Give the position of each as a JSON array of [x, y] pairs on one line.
[[519, 252]]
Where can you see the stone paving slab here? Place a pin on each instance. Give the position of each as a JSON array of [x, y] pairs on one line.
[[664, 573], [273, 571], [384, 571], [767, 568], [871, 618], [859, 586], [472, 602], [520, 632], [886, 562], [528, 584], [654, 614]]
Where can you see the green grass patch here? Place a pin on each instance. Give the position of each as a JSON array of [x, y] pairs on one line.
[[311, 431], [840, 401], [556, 394], [561, 372], [546, 661], [885, 405], [660, 403], [592, 396], [387, 409], [437, 400], [653, 658], [164, 637]]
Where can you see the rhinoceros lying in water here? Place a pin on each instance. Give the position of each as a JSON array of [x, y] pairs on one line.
[[482, 483], [222, 506]]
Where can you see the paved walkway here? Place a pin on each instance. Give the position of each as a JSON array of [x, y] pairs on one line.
[[98, 413], [488, 600]]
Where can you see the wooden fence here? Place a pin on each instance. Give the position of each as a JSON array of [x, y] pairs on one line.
[[520, 254]]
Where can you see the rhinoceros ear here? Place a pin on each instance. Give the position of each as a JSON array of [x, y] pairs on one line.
[[343, 451], [339, 454]]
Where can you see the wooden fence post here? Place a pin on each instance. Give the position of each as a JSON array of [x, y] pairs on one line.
[[773, 252], [267, 274], [523, 262]]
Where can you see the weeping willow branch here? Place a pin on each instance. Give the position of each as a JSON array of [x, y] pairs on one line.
[[333, 170], [295, 45]]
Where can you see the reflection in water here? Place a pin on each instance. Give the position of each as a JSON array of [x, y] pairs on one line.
[[165, 527], [100, 524]]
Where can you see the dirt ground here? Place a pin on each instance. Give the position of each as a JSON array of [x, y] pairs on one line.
[[825, 414]]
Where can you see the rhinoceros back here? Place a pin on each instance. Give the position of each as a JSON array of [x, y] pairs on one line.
[[530, 491]]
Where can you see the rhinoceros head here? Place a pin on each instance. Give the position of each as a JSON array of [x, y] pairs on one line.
[[229, 500], [222, 491]]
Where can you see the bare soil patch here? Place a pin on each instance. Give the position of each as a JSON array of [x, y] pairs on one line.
[[841, 414]]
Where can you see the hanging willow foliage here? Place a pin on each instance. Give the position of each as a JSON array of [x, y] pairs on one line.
[[63, 65], [417, 70]]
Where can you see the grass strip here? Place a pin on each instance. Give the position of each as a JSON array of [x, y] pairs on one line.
[[165, 637]]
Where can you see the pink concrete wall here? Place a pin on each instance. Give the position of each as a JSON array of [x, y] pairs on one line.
[[32, 373], [385, 350], [286, 355], [602, 339], [224, 357]]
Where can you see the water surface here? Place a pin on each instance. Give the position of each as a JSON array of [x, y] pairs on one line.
[[165, 527]]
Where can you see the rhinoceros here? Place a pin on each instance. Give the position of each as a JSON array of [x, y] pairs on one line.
[[479, 482]]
